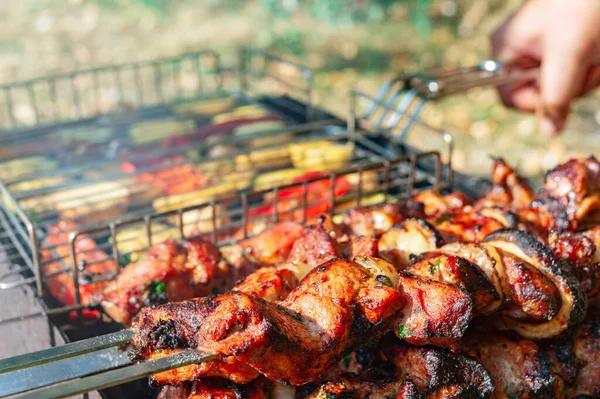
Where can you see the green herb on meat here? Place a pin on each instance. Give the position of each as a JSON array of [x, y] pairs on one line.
[[434, 268], [155, 293], [405, 332]]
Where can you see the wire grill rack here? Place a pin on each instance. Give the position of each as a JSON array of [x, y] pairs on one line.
[[101, 192]]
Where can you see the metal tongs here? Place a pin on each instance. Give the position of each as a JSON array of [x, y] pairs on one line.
[[98, 363], [437, 84]]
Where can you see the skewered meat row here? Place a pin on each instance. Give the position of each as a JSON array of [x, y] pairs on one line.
[[499, 283], [316, 323]]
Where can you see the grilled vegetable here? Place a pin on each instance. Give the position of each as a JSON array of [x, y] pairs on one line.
[[246, 111], [15, 168], [314, 154], [485, 260], [204, 107], [146, 132]]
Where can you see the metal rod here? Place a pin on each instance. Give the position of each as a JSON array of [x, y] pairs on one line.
[[119, 376], [57, 371], [65, 351]]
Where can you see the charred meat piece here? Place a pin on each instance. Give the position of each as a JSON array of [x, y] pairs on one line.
[[538, 285], [403, 371], [332, 311], [451, 269], [273, 245], [169, 272], [372, 221], [56, 255], [484, 259], [519, 369], [531, 296], [217, 388], [466, 224], [578, 252], [571, 192], [436, 313], [437, 373], [315, 247], [436, 203], [509, 190], [587, 350], [271, 284]]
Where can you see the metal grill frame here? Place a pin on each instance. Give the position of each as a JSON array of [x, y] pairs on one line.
[[239, 206]]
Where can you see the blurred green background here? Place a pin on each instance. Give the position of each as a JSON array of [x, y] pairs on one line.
[[348, 43]]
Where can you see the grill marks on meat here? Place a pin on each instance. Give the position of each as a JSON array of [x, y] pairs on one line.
[[187, 270], [61, 285], [331, 312]]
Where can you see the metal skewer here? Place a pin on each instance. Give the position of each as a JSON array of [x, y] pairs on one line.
[[96, 358], [119, 376], [65, 351]]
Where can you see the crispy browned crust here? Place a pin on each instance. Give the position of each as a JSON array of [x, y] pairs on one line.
[[400, 370], [465, 224], [217, 388], [187, 270], [436, 313], [571, 192], [481, 257], [273, 245], [372, 221], [573, 302], [509, 190], [333, 309], [578, 252], [455, 270], [586, 348], [518, 368]]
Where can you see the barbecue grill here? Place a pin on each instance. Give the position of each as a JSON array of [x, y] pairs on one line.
[[381, 169]]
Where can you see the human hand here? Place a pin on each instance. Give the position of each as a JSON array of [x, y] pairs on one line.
[[564, 37]]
